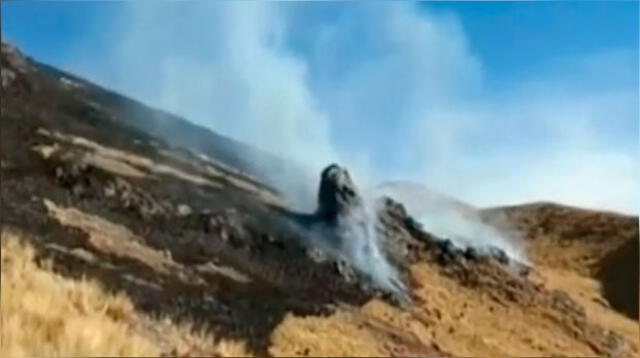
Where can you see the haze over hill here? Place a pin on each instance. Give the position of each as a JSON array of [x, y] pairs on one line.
[[191, 251], [472, 100]]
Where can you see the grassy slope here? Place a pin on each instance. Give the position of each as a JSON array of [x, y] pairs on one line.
[[448, 318], [595, 245], [45, 315]]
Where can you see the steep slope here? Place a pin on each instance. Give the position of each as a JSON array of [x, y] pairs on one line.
[[106, 104], [599, 245], [204, 243], [587, 235], [591, 255]]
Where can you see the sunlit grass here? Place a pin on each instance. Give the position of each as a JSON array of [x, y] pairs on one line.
[[44, 314]]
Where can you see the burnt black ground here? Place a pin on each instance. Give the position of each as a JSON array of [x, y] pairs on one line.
[[284, 279]]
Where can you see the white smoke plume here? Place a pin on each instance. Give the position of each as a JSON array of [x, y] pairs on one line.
[[451, 219], [389, 89], [363, 247], [355, 240]]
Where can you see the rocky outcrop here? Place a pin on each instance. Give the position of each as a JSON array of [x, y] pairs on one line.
[[346, 225], [14, 69], [338, 195]]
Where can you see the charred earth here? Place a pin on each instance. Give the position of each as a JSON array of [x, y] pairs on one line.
[[187, 229]]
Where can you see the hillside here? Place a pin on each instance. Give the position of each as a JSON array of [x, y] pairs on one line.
[[113, 232], [597, 245]]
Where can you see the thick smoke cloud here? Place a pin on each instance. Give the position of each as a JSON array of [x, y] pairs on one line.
[[237, 68], [391, 91]]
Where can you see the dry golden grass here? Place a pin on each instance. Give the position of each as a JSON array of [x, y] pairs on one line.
[[469, 323], [568, 238], [45, 315], [448, 318], [188, 341], [111, 238], [340, 335], [588, 292]]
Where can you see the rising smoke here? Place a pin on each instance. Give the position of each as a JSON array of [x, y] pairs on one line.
[[355, 240], [449, 218], [363, 248], [389, 89], [345, 225]]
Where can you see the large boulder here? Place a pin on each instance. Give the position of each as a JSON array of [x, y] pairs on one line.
[[338, 195]]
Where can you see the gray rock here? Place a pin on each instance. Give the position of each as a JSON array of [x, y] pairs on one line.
[[8, 77], [337, 194], [498, 254], [183, 210], [471, 253], [346, 271], [317, 255], [14, 58]]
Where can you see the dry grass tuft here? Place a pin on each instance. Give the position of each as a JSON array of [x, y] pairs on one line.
[[44, 314], [338, 335], [191, 342]]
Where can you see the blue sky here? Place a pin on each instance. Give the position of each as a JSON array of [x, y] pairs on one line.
[[512, 38], [491, 102]]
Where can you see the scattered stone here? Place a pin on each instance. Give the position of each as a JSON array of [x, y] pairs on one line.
[[78, 189], [109, 190], [14, 58], [498, 254], [413, 224], [392, 208], [183, 210], [229, 272], [523, 269], [14, 71], [68, 84], [346, 271], [47, 151], [77, 252], [616, 344], [84, 255], [136, 199], [8, 77], [471, 253], [446, 246], [317, 255], [563, 302]]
